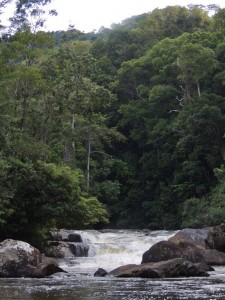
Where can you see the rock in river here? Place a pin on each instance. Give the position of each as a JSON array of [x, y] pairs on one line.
[[17, 258], [177, 267], [166, 250], [20, 259]]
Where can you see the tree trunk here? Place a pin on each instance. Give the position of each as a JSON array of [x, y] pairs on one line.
[[198, 88], [73, 142], [88, 162], [23, 114]]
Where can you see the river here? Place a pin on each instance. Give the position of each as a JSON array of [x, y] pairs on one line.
[[109, 250]]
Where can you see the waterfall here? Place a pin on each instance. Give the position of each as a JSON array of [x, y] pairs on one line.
[[109, 250], [113, 248]]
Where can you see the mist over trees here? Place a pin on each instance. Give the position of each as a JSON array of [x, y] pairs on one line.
[[123, 127]]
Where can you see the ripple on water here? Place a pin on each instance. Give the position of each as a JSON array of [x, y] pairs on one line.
[[91, 288]]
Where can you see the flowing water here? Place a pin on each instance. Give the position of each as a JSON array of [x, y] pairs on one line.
[[109, 250]]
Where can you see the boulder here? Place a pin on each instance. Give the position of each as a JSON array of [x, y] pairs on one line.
[[18, 259], [166, 250], [177, 267], [216, 238], [75, 238], [131, 270], [65, 236], [57, 235], [204, 266], [46, 269], [58, 250], [79, 249], [193, 236], [160, 251], [213, 257], [100, 273]]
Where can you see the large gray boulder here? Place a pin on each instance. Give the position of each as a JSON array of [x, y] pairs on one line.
[[58, 249], [193, 236], [65, 244], [166, 250], [18, 259], [177, 267]]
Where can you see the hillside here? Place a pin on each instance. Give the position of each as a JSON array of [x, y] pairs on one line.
[[123, 127]]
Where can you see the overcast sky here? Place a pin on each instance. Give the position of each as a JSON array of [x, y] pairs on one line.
[[87, 15]]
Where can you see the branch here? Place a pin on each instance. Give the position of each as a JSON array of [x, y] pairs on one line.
[[110, 156], [174, 110]]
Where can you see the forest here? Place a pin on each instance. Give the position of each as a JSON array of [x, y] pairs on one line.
[[120, 128]]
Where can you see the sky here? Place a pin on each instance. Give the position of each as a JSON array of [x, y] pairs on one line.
[[89, 15]]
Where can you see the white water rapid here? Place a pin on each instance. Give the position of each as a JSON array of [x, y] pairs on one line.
[[111, 249]]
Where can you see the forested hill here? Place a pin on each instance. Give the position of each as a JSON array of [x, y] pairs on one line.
[[124, 126]]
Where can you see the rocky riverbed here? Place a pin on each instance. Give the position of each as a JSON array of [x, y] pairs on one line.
[[190, 252]]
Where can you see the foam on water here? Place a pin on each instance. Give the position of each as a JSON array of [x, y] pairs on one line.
[[109, 250]]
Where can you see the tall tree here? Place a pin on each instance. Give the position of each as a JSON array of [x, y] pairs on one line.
[[30, 13], [194, 61]]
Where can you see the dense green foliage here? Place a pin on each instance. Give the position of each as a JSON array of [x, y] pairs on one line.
[[37, 196], [129, 122]]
